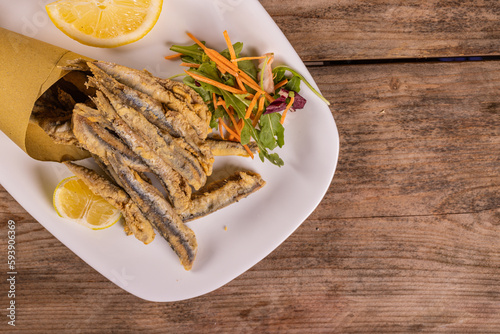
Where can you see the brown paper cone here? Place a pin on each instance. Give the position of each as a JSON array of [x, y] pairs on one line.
[[28, 68]]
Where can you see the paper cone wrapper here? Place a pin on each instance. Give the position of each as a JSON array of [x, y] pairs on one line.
[[29, 67]]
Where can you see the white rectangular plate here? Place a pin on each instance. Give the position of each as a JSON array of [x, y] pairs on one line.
[[255, 225]]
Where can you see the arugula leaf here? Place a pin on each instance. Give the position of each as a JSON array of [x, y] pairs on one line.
[[293, 84], [238, 46], [272, 132], [246, 133], [189, 59], [242, 98], [233, 101], [228, 79], [209, 89], [219, 112], [279, 76], [274, 158], [249, 68], [208, 70], [194, 51], [205, 95]]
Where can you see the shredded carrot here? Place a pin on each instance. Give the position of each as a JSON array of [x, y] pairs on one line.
[[221, 102], [252, 105], [231, 68], [212, 54], [229, 45], [281, 83], [247, 58], [288, 106], [214, 83], [221, 121], [233, 120], [260, 109], [240, 84], [217, 58], [250, 153], [174, 56], [222, 71], [214, 98], [228, 129], [236, 124], [200, 44], [190, 65]]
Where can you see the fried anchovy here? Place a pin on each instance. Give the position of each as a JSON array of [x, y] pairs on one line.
[[146, 83], [57, 128], [172, 124], [159, 212], [221, 147], [109, 171], [189, 96], [99, 141], [77, 64], [136, 222], [222, 193], [178, 190], [163, 144], [65, 99], [201, 152], [92, 115]]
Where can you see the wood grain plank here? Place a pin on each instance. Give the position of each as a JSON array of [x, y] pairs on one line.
[[416, 139], [382, 29], [436, 274], [406, 239]]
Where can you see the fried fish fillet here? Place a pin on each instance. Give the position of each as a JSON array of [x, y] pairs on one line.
[[136, 222], [99, 141], [57, 128], [92, 114], [189, 96], [159, 212], [223, 193], [220, 147]]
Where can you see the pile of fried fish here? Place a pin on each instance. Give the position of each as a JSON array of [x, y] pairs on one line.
[[139, 127]]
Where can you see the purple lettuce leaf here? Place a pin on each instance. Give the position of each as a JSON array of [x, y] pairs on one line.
[[280, 103]]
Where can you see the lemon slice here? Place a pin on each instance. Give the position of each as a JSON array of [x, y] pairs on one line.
[[105, 23], [73, 199]]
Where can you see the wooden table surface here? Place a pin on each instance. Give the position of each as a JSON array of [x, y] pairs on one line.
[[407, 238]]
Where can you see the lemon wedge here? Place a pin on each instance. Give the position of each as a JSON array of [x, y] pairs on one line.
[[74, 200], [105, 23]]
